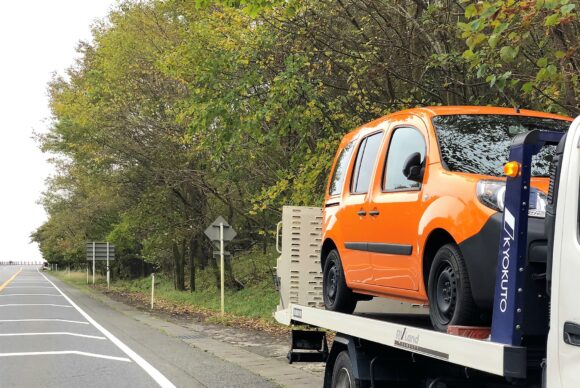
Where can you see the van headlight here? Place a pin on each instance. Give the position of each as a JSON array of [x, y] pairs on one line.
[[491, 193]]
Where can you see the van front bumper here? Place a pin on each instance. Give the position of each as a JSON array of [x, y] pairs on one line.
[[481, 253]]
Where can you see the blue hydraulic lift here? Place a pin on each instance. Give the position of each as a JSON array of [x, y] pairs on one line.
[[520, 303]]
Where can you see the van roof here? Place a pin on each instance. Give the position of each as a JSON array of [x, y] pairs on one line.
[[455, 110], [431, 111]]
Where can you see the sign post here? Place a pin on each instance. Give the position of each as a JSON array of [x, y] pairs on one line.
[[220, 232], [100, 251]]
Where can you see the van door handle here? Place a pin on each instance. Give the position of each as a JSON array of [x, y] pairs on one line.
[[374, 212], [572, 333], [361, 213]]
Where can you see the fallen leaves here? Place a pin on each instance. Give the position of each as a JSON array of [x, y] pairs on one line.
[[174, 309]]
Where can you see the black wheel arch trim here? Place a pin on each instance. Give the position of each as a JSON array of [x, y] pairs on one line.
[[481, 252], [358, 359], [327, 246]]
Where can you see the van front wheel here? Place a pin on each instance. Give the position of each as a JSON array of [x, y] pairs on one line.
[[337, 296], [449, 290]]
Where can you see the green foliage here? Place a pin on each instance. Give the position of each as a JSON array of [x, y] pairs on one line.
[[539, 49]]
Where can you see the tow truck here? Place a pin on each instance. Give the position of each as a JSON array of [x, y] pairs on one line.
[[534, 338]]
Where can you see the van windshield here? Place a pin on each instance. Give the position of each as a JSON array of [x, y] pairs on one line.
[[479, 144]]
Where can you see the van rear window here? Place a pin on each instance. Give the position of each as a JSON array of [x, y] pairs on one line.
[[479, 144], [365, 162], [337, 181]]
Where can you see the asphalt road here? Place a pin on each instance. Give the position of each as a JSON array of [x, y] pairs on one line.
[[47, 339]]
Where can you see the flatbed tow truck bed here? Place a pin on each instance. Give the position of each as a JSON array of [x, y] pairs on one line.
[[398, 350], [396, 332]]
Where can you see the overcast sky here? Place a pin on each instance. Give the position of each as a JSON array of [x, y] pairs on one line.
[[37, 38]]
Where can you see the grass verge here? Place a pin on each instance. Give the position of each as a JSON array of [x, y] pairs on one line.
[[250, 307]]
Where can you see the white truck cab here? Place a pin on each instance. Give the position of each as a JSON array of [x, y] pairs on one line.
[[394, 349], [563, 353]]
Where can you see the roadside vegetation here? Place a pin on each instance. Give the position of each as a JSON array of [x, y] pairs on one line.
[[251, 306], [179, 111]]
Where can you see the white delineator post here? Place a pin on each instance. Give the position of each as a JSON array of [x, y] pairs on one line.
[[152, 289], [108, 276], [222, 265], [94, 263], [87, 273]]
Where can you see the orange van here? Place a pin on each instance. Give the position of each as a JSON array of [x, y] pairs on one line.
[[413, 209]]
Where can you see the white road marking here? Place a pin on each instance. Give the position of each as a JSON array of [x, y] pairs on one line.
[[65, 352], [9, 287], [42, 320], [29, 282], [34, 304], [51, 333], [2, 295], [150, 369]]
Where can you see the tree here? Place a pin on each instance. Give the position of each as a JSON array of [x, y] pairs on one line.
[[528, 50]]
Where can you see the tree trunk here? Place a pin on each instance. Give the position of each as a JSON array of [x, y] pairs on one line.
[[202, 258], [265, 242], [230, 281], [216, 269], [183, 260], [178, 258], [193, 251]]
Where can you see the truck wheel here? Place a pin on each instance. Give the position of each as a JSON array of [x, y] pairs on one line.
[[449, 290], [337, 296], [342, 374]]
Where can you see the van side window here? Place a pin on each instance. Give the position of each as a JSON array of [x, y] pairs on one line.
[[365, 163], [404, 142], [337, 181]]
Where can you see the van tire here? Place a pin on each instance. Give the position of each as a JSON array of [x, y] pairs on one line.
[[449, 290], [337, 296]]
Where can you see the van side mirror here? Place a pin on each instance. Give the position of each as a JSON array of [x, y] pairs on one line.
[[413, 168]]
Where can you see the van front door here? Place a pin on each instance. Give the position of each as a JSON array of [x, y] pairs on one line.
[[564, 337], [394, 214]]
